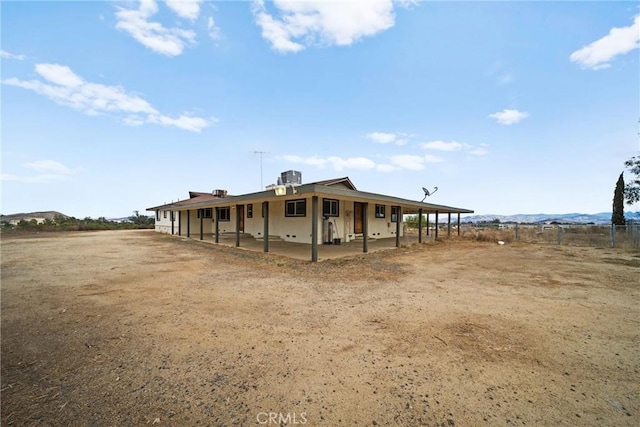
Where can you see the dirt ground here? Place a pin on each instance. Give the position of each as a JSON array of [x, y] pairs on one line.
[[122, 328]]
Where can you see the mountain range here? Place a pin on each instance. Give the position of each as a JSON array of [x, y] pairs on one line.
[[570, 218], [38, 216]]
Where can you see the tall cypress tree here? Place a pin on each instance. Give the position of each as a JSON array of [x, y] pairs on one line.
[[618, 203]]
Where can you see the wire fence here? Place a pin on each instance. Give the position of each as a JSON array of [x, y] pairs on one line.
[[616, 236]]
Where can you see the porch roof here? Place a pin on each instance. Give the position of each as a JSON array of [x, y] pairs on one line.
[[314, 189]]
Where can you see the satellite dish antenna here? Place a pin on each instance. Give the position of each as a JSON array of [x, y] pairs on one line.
[[428, 193]]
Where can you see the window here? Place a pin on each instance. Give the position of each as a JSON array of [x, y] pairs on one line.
[[380, 211], [205, 213], [296, 208], [224, 214], [158, 215], [330, 207], [173, 216], [249, 210], [164, 213], [394, 214]]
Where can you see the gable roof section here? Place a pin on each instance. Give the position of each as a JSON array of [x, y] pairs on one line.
[[345, 182], [193, 194], [195, 197], [408, 206], [329, 188]]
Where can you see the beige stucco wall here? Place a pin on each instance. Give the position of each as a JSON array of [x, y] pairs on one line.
[[290, 229], [163, 225], [380, 228], [180, 224], [253, 226], [193, 222]]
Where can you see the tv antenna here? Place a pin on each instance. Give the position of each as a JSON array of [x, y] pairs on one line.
[[261, 153], [428, 193]]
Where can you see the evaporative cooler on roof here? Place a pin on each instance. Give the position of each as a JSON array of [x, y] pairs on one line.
[[291, 177]]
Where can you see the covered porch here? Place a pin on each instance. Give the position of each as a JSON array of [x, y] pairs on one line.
[[295, 221], [301, 251]]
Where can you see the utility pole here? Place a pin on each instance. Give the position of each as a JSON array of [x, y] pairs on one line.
[[261, 153]]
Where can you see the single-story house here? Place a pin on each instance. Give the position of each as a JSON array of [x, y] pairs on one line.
[[315, 213]]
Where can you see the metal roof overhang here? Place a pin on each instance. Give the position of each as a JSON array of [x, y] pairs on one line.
[[408, 206]]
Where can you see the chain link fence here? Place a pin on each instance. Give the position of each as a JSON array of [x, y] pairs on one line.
[[616, 236]]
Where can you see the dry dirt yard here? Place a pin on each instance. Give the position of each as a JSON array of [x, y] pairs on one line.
[[122, 328]]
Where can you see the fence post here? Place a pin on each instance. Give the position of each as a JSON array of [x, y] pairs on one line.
[[517, 231], [559, 235], [613, 236]]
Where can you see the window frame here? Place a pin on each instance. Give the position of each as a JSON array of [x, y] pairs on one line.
[[249, 210], [380, 211], [331, 202], [158, 217], [205, 213], [296, 208], [394, 213], [227, 214]]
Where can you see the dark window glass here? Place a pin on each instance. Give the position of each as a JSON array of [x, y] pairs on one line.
[[394, 214], [224, 214], [296, 208], [330, 207]]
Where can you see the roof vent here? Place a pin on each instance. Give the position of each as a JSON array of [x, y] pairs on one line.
[[220, 193], [291, 177]]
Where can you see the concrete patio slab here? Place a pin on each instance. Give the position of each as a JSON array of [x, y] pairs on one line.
[[302, 251]]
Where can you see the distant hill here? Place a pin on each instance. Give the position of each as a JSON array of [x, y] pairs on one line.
[[38, 216], [570, 218]]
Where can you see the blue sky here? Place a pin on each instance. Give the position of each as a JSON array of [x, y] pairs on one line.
[[506, 107]]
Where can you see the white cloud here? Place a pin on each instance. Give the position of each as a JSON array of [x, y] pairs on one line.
[[133, 120], [407, 3], [213, 29], [315, 22], [337, 163], [396, 162], [59, 74], [65, 87], [386, 168], [360, 163], [619, 41], [193, 124], [189, 9], [387, 138], [452, 146], [408, 161], [381, 137], [47, 171], [48, 166], [167, 41], [7, 55], [442, 145], [509, 117], [429, 158], [480, 151]]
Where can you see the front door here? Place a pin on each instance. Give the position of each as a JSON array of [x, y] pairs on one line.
[[358, 217], [241, 218]]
